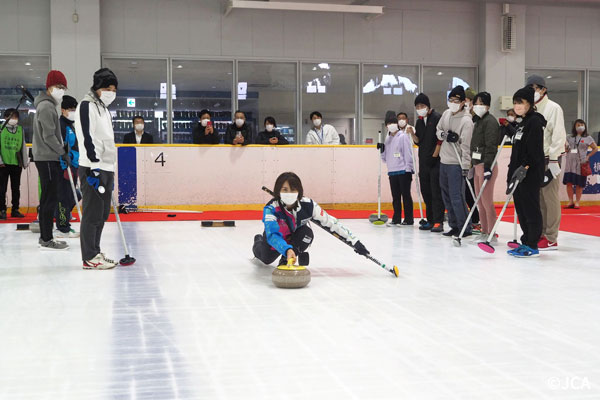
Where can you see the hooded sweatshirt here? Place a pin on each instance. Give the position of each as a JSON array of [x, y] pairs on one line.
[[555, 135], [528, 149], [93, 127], [397, 152], [47, 139], [462, 124]]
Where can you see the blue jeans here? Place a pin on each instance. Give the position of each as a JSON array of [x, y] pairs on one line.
[[452, 184]]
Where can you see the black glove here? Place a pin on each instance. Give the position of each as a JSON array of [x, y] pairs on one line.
[[465, 173], [487, 173], [452, 137], [361, 249], [381, 147], [65, 161], [517, 177]]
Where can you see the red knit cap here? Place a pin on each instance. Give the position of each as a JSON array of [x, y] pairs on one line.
[[55, 77]]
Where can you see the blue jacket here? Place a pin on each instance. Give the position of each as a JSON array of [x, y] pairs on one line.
[[70, 140]]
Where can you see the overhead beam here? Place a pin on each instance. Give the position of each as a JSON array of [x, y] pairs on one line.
[[293, 6]]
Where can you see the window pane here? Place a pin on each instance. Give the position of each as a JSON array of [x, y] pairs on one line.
[[564, 88], [268, 89], [330, 89], [201, 85], [439, 81], [29, 71], [139, 93], [594, 111], [386, 87]]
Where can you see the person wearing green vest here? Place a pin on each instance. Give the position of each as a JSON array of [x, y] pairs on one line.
[[13, 158]]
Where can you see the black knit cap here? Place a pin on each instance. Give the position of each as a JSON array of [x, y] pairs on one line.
[[485, 97], [103, 78], [68, 102], [526, 93], [459, 92], [422, 99]]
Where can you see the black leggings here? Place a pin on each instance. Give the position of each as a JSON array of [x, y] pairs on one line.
[[300, 241], [14, 173], [400, 186]]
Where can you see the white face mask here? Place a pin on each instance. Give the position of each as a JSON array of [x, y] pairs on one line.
[[579, 129], [467, 107], [480, 110], [421, 112], [401, 123], [510, 118], [392, 128], [57, 94], [204, 122], [107, 97], [537, 96], [239, 122], [13, 122], [317, 122], [139, 127], [453, 107], [269, 127], [288, 198], [71, 115]]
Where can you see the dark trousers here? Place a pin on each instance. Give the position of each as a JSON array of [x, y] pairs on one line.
[[95, 210], [527, 204], [429, 178], [400, 185], [12, 172], [300, 240], [50, 175], [66, 202], [471, 201]]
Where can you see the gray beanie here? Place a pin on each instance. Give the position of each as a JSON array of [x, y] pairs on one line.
[[536, 80]]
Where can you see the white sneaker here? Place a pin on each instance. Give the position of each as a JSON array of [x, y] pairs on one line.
[[393, 224], [98, 262], [53, 245], [108, 260], [69, 235]]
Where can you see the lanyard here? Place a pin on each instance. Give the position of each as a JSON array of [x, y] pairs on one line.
[[320, 133]]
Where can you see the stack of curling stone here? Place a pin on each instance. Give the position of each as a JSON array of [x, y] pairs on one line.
[[291, 276]]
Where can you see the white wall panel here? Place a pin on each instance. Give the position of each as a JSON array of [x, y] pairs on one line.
[[329, 35], [532, 37], [236, 33], [387, 37], [25, 26], [358, 37], [141, 26], [112, 26], [267, 38], [595, 45], [298, 35], [171, 30], [578, 41], [416, 36], [204, 28]]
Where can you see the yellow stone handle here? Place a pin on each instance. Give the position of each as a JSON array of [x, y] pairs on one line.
[[291, 262]]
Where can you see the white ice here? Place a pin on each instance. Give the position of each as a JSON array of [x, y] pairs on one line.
[[197, 318]]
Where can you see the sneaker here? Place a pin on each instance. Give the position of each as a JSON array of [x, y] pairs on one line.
[[303, 259], [108, 260], [426, 226], [524, 251], [437, 228], [476, 228], [3, 214], [53, 245], [98, 262], [546, 245], [452, 232], [69, 235], [407, 223], [393, 224], [16, 214]]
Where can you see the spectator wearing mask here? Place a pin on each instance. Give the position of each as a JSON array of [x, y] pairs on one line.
[[271, 135], [13, 159], [555, 137], [66, 201], [508, 126], [484, 146], [138, 136], [454, 131], [469, 99], [396, 153], [48, 149], [576, 148], [425, 138], [94, 129], [321, 133], [204, 132], [239, 132]]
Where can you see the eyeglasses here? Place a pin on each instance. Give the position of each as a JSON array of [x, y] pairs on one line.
[[455, 101]]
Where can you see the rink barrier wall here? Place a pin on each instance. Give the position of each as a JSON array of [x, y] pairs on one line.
[[225, 177]]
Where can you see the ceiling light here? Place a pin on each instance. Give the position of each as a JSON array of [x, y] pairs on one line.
[[549, 77], [134, 63], [314, 68], [385, 66], [28, 63], [179, 66], [440, 73]]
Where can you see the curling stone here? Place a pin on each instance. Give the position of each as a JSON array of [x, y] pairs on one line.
[[290, 276], [34, 227]]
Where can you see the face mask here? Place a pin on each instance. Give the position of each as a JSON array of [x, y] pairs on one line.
[[467, 107], [519, 109], [107, 97], [317, 122], [71, 115], [139, 127], [421, 112], [479, 110], [579, 129], [239, 122], [57, 94], [204, 122], [510, 118], [269, 128], [392, 128], [13, 122], [288, 198], [401, 123], [453, 107], [537, 96]]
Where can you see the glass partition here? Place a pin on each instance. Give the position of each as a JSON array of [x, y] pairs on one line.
[[439, 81]]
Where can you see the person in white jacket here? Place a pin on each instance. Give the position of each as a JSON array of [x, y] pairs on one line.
[[97, 158], [455, 130], [321, 133], [555, 137]]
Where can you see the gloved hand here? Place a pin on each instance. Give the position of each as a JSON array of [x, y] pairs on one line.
[[517, 176], [487, 173], [381, 147], [361, 249], [471, 174], [554, 168], [452, 137], [65, 161], [93, 178], [465, 173]]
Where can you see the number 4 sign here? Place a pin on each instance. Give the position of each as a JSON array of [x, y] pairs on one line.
[[160, 159]]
